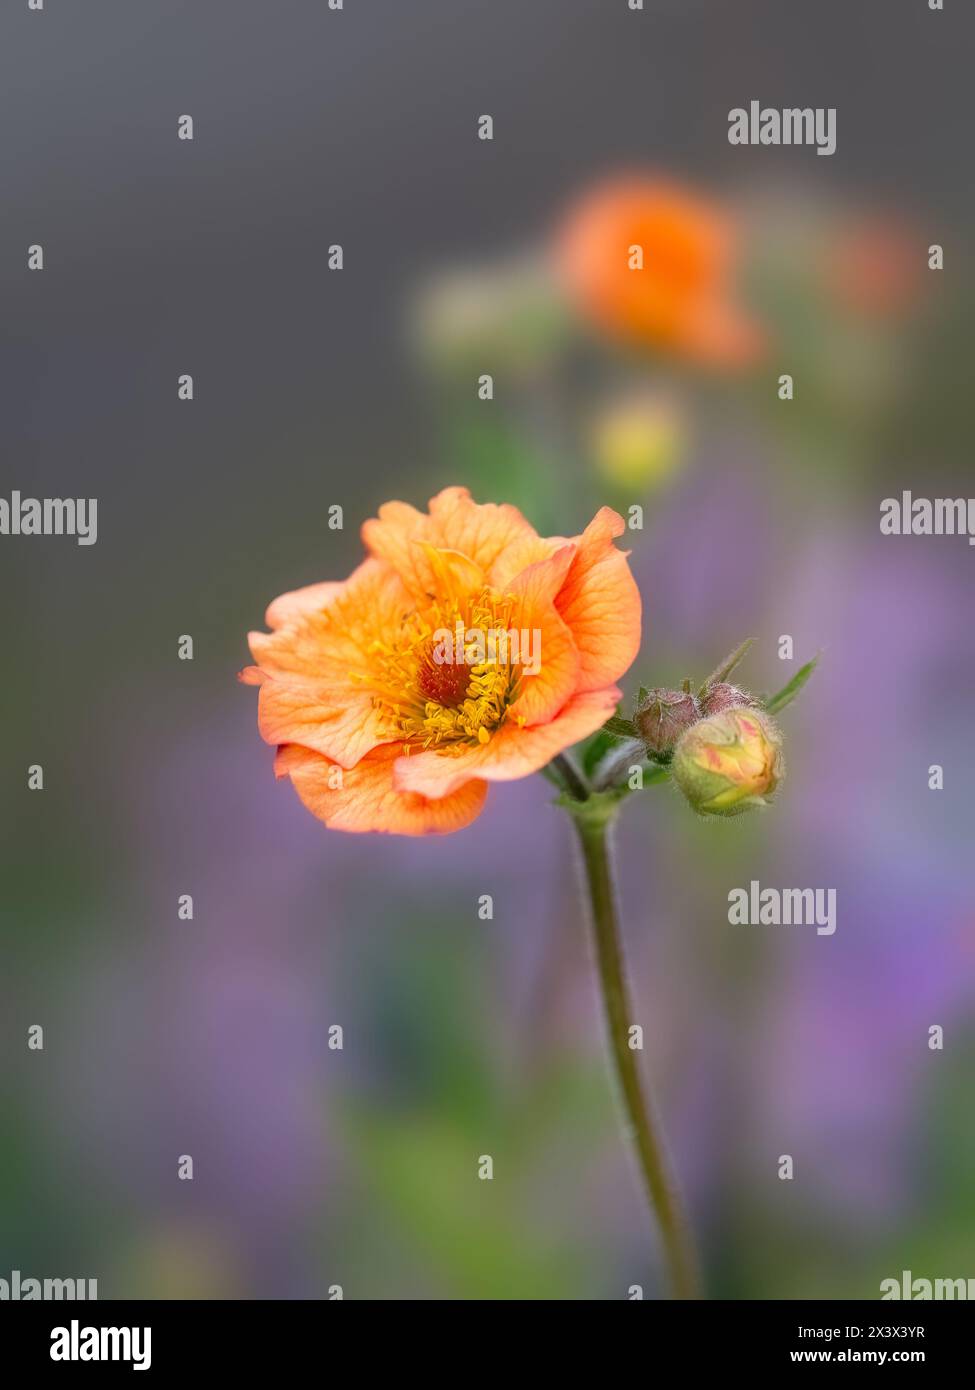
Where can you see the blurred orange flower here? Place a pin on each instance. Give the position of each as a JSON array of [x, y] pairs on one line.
[[653, 263], [381, 724]]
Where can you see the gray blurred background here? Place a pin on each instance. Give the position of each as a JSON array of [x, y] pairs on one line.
[[313, 388]]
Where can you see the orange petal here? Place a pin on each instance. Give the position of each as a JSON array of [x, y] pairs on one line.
[[543, 694], [517, 556], [510, 753], [329, 718], [396, 536], [367, 800], [288, 607], [683, 298], [452, 575], [455, 522], [600, 602], [482, 531], [316, 668]]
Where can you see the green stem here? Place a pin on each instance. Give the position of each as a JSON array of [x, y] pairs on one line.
[[593, 826]]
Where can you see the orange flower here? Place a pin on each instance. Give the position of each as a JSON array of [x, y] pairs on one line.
[[382, 723], [652, 262]]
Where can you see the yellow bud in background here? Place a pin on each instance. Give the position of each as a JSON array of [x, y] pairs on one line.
[[639, 440]]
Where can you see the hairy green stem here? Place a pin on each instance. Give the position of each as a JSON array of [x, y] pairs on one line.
[[593, 827]]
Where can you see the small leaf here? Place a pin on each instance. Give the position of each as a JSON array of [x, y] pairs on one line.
[[617, 758], [618, 764], [622, 728], [725, 668], [789, 692], [653, 773], [642, 695], [596, 749]]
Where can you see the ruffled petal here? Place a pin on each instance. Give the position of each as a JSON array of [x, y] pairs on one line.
[[600, 602], [318, 668], [363, 798], [481, 532], [541, 695], [286, 608]]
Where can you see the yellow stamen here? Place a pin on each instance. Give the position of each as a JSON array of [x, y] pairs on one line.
[[404, 674]]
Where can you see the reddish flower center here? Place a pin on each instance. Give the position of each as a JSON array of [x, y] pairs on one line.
[[445, 682]]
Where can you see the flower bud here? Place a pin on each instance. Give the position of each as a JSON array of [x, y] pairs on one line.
[[638, 441], [722, 696], [729, 762], [662, 717]]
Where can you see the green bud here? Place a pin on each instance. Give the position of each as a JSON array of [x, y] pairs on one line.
[[661, 718], [729, 762]]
